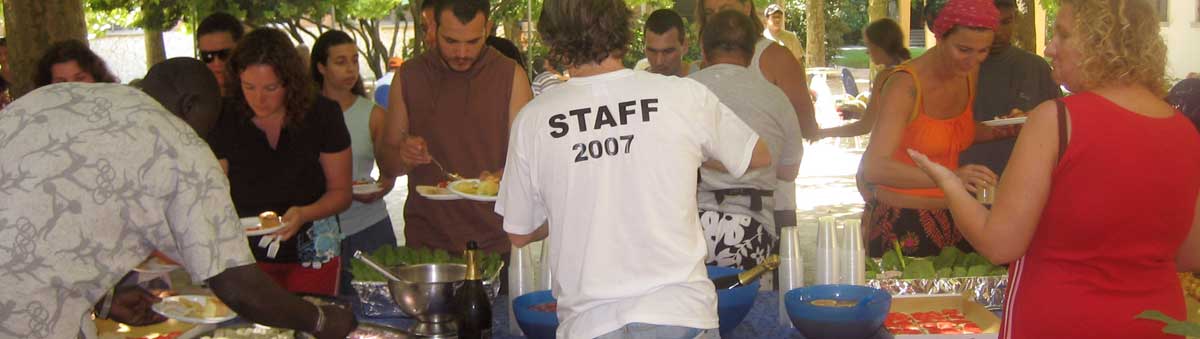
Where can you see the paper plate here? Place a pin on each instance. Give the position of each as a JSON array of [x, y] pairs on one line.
[[193, 309], [469, 196], [436, 193], [1005, 122], [367, 188], [252, 228]]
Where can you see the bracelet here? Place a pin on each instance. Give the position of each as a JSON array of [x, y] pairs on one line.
[[320, 325]]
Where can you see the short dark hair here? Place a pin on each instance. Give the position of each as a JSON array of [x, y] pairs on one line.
[[886, 34], [585, 31], [71, 50], [663, 20], [221, 22], [320, 55], [429, 4], [508, 48], [731, 32], [464, 10], [271, 47]]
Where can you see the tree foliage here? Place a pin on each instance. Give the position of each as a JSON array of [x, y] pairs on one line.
[[844, 20]]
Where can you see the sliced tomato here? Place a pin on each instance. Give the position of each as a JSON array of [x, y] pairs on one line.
[[972, 329], [906, 331], [942, 325]]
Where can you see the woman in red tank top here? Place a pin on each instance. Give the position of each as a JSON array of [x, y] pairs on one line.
[[1096, 211], [926, 105]]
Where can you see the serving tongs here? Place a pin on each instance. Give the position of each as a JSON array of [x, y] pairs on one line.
[[371, 263]]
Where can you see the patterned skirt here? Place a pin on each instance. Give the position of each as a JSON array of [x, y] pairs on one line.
[[736, 240], [921, 232]]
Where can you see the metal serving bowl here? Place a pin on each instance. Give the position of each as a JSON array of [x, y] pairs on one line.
[[425, 292]]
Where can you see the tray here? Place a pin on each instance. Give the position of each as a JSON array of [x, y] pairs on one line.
[[972, 310]]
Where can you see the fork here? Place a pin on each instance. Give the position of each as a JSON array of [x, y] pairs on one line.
[[456, 177]]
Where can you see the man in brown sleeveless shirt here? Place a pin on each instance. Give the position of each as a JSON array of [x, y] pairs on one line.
[[453, 103]]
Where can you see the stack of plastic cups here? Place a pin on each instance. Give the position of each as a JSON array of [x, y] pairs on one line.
[[520, 279], [827, 251], [791, 267], [851, 264]]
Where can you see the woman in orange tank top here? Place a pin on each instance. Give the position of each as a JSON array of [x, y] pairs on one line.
[[926, 106]]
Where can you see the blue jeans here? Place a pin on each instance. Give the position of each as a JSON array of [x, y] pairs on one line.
[[367, 240], [652, 331]]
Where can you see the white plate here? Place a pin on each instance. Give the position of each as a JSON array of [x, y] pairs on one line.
[[447, 195], [154, 265], [250, 225], [366, 188], [469, 196], [1005, 122], [172, 307]]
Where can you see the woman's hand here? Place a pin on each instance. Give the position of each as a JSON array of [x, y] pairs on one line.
[[292, 221], [974, 176]]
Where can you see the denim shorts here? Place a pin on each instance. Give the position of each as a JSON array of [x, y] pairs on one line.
[[651, 331]]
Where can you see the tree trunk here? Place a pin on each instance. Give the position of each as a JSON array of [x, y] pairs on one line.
[[1030, 32], [32, 27], [815, 21], [156, 51]]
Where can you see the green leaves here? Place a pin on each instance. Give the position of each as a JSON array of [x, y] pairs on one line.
[[1174, 326]]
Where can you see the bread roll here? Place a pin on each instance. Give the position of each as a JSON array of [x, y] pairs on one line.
[[268, 219]]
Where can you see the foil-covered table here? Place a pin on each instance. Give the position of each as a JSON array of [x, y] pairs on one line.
[[988, 291]]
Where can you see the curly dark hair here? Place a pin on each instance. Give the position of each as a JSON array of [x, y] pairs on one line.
[[71, 50], [581, 32], [271, 47], [320, 55]]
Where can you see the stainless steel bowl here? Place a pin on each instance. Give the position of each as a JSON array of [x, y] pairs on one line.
[[425, 292]]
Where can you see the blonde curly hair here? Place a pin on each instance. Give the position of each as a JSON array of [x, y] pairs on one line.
[[1122, 42]]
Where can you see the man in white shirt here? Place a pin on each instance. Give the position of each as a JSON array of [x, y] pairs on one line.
[[776, 21], [609, 159], [736, 212]]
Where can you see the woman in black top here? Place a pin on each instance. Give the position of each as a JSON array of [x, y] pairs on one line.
[[285, 149]]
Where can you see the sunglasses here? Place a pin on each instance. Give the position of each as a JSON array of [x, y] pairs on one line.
[[209, 56]]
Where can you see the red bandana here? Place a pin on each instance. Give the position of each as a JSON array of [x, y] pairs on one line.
[[970, 13]]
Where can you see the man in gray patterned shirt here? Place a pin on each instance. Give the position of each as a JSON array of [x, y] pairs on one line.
[[95, 177]]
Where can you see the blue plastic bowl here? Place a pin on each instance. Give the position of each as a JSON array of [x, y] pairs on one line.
[[732, 307], [535, 324], [817, 322]]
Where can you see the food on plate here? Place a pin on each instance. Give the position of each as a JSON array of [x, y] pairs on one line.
[[363, 181], [433, 190], [253, 331], [545, 307], [947, 321], [209, 308], [268, 219], [488, 184], [1014, 113], [834, 303]]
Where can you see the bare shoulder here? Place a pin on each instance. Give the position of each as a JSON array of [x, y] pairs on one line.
[[778, 58]]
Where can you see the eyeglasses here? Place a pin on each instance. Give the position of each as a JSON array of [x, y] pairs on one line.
[[209, 56]]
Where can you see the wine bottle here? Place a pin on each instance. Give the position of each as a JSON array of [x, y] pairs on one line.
[[747, 277], [474, 308]]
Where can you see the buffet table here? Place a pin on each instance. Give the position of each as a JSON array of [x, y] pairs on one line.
[[761, 322]]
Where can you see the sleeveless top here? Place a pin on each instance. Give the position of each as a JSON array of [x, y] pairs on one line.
[[785, 191], [1120, 205], [463, 117], [940, 139], [358, 122]]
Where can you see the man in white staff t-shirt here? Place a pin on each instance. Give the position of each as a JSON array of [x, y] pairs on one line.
[[610, 159]]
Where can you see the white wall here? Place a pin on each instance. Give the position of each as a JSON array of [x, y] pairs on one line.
[[1182, 34]]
